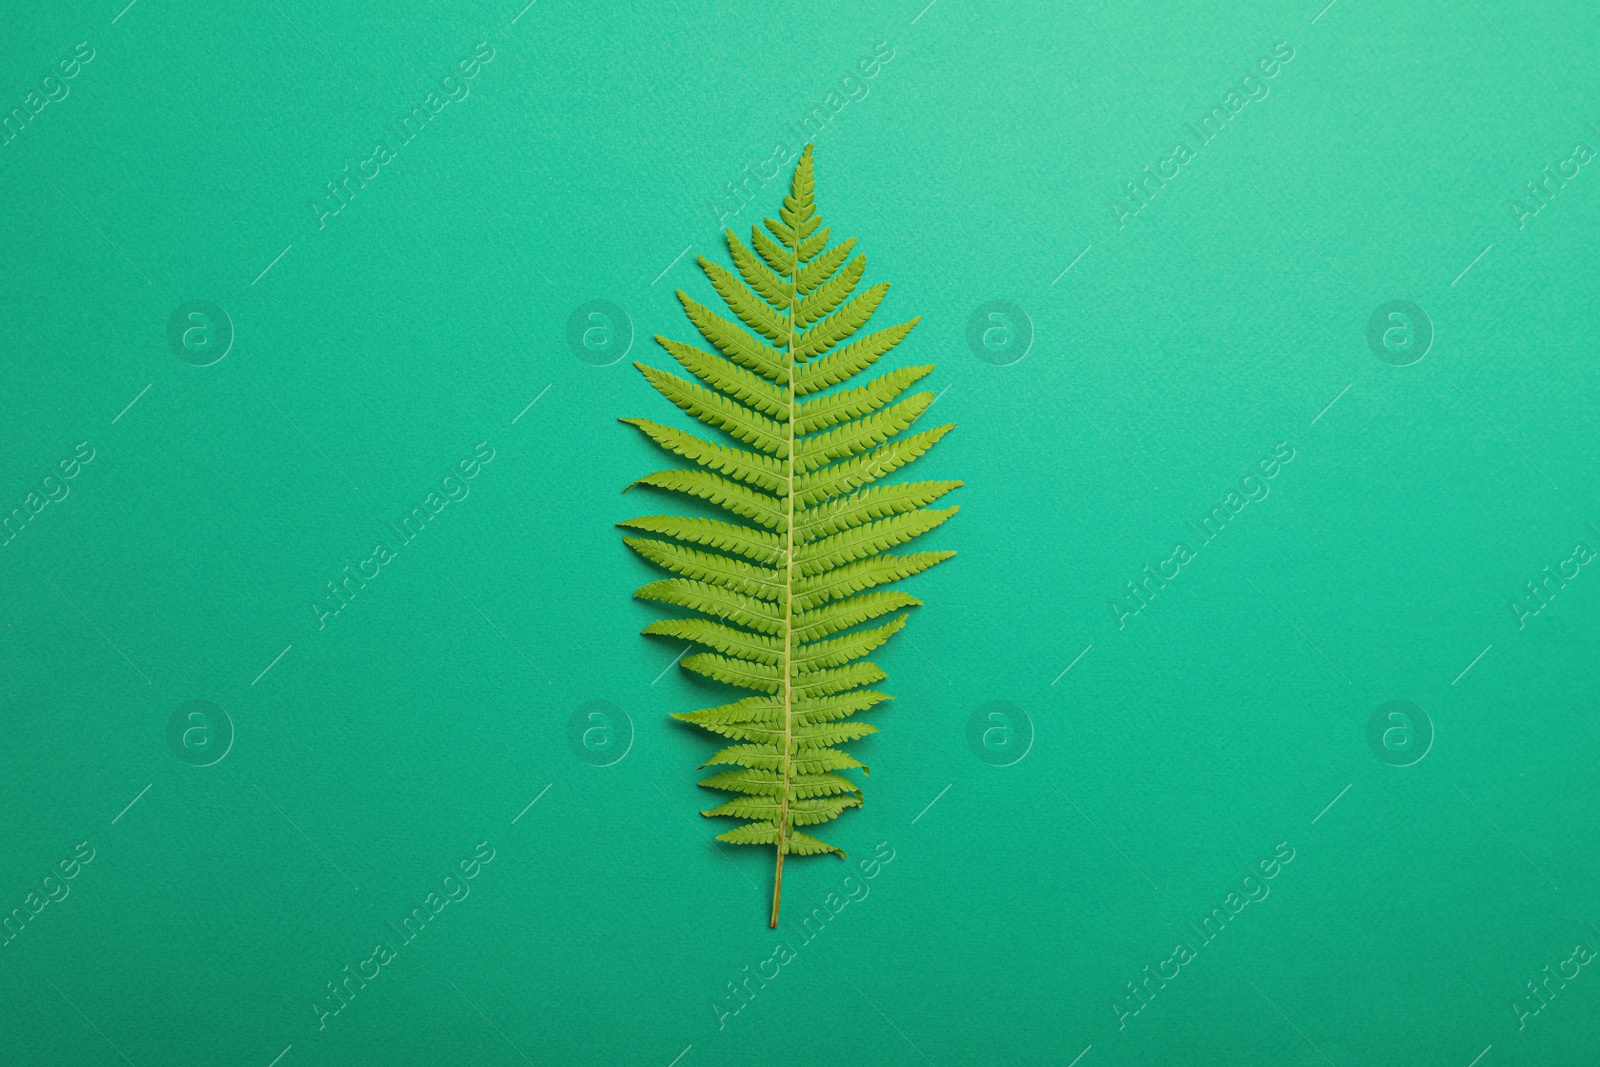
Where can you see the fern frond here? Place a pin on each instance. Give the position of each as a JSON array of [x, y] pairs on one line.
[[779, 596], [715, 635], [851, 579], [749, 612], [866, 468], [750, 543], [866, 506], [725, 413], [838, 651], [763, 472], [844, 322], [837, 706], [726, 376], [779, 258], [830, 410], [748, 710], [745, 303], [832, 293], [857, 436], [818, 270], [730, 670], [819, 557], [743, 501], [842, 614], [850, 360], [738, 345], [774, 289], [734, 574]]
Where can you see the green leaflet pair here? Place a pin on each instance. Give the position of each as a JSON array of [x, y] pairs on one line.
[[782, 599]]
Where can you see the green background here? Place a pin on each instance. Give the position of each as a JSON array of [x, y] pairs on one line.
[[1180, 348]]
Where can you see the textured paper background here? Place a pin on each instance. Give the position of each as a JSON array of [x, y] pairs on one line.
[[376, 349]]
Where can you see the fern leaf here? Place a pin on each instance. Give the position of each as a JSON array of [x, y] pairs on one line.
[[778, 596], [762, 677], [772, 784], [715, 635], [751, 783], [844, 322], [794, 843], [725, 376], [735, 574], [775, 290], [800, 844], [832, 733], [783, 231], [805, 812], [812, 812], [838, 651], [806, 786], [830, 410], [866, 468], [738, 345], [799, 205], [856, 437], [815, 735], [779, 258], [751, 309], [850, 360], [756, 833], [761, 718], [750, 543], [763, 472], [743, 501], [833, 292], [826, 683], [708, 599], [842, 614], [727, 716], [867, 506], [822, 556], [763, 756], [726, 414], [768, 757], [837, 706], [818, 270], [746, 808], [810, 246], [847, 580]]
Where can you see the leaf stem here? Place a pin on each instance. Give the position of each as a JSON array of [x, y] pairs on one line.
[[788, 568]]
